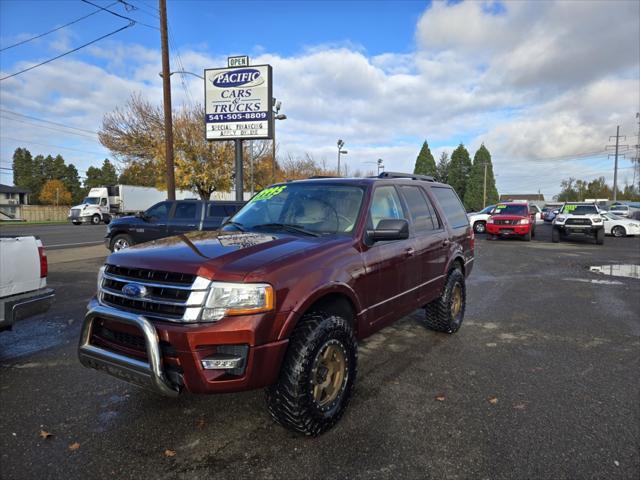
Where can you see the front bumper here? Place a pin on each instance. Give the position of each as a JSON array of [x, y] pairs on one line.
[[575, 229], [168, 371], [508, 230], [85, 219], [25, 305]]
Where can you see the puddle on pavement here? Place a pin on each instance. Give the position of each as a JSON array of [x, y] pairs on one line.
[[627, 270]]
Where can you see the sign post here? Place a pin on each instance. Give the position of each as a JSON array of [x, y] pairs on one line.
[[238, 106]]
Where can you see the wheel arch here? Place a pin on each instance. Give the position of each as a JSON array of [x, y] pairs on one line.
[[336, 297]]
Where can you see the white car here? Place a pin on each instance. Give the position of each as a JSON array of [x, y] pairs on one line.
[[620, 226], [478, 220]]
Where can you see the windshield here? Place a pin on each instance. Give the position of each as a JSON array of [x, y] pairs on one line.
[[487, 209], [613, 217], [521, 210], [318, 208], [579, 209], [621, 208], [91, 200]]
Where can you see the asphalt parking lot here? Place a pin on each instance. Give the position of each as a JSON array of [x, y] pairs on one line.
[[542, 381], [60, 236]]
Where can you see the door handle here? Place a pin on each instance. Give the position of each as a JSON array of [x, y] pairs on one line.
[[409, 252]]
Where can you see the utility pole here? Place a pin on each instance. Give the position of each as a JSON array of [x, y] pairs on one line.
[[166, 88], [616, 155], [636, 159]]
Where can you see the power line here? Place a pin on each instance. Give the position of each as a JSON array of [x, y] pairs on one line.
[[131, 24], [54, 30], [47, 121], [120, 16], [52, 146], [85, 135]]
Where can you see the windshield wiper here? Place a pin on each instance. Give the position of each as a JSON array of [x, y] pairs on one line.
[[239, 226], [288, 227]]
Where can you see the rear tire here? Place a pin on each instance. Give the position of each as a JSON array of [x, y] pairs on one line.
[[445, 314], [317, 375], [480, 227], [555, 235], [600, 236]]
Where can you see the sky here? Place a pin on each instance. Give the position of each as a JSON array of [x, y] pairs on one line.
[[543, 84]]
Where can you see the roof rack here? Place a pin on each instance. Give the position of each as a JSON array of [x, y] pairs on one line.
[[412, 176]]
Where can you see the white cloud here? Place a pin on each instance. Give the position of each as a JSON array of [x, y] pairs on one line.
[[531, 79]]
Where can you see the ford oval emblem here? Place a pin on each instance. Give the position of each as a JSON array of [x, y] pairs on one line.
[[243, 77], [135, 290]]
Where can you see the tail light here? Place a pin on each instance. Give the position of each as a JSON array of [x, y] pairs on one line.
[[44, 266]]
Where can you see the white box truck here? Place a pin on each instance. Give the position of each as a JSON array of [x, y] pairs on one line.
[[104, 203]]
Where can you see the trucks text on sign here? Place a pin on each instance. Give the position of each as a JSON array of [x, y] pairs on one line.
[[238, 102]]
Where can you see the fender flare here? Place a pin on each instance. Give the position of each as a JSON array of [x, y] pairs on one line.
[[317, 294]]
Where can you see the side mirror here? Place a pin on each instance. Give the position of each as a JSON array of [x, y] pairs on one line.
[[224, 220], [390, 229]]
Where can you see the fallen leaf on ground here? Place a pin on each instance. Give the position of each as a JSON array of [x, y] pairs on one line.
[[440, 398], [520, 406], [45, 434], [74, 446], [169, 453], [200, 423], [493, 400]]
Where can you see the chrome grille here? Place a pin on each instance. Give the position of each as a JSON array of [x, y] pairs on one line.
[[75, 212], [506, 222], [167, 295]]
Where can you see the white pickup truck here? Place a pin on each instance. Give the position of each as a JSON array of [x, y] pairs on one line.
[[23, 279]]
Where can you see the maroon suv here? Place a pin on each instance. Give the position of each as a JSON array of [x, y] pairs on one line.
[[280, 295]]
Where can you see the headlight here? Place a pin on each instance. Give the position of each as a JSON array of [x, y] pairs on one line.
[[100, 277], [597, 220], [560, 219], [226, 299], [634, 225], [490, 220], [524, 221]]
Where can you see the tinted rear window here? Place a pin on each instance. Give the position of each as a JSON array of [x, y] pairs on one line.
[[451, 206], [419, 209]]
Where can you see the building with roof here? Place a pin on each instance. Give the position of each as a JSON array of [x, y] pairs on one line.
[[11, 198]]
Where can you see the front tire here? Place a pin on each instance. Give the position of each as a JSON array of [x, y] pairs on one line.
[[600, 236], [445, 314], [95, 219], [618, 231], [480, 227], [555, 235], [527, 236], [317, 375], [120, 241]]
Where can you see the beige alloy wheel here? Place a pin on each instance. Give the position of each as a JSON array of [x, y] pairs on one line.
[[328, 376], [456, 300]]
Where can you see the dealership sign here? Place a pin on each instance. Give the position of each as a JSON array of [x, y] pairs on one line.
[[238, 102]]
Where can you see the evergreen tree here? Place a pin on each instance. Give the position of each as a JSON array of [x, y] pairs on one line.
[[425, 164], [71, 181], [442, 169], [23, 168], [475, 190], [99, 177], [459, 169]]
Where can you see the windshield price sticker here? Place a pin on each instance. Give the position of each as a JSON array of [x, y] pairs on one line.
[[269, 193], [238, 102], [569, 208]]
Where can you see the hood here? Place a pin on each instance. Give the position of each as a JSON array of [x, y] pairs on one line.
[[126, 220], [228, 256], [509, 217]]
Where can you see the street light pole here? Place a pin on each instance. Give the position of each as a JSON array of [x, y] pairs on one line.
[[166, 88], [276, 116], [380, 166], [340, 151]]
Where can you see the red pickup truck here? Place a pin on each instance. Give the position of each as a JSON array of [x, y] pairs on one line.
[[280, 295], [512, 219]]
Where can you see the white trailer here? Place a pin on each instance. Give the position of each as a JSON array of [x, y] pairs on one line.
[[104, 203]]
